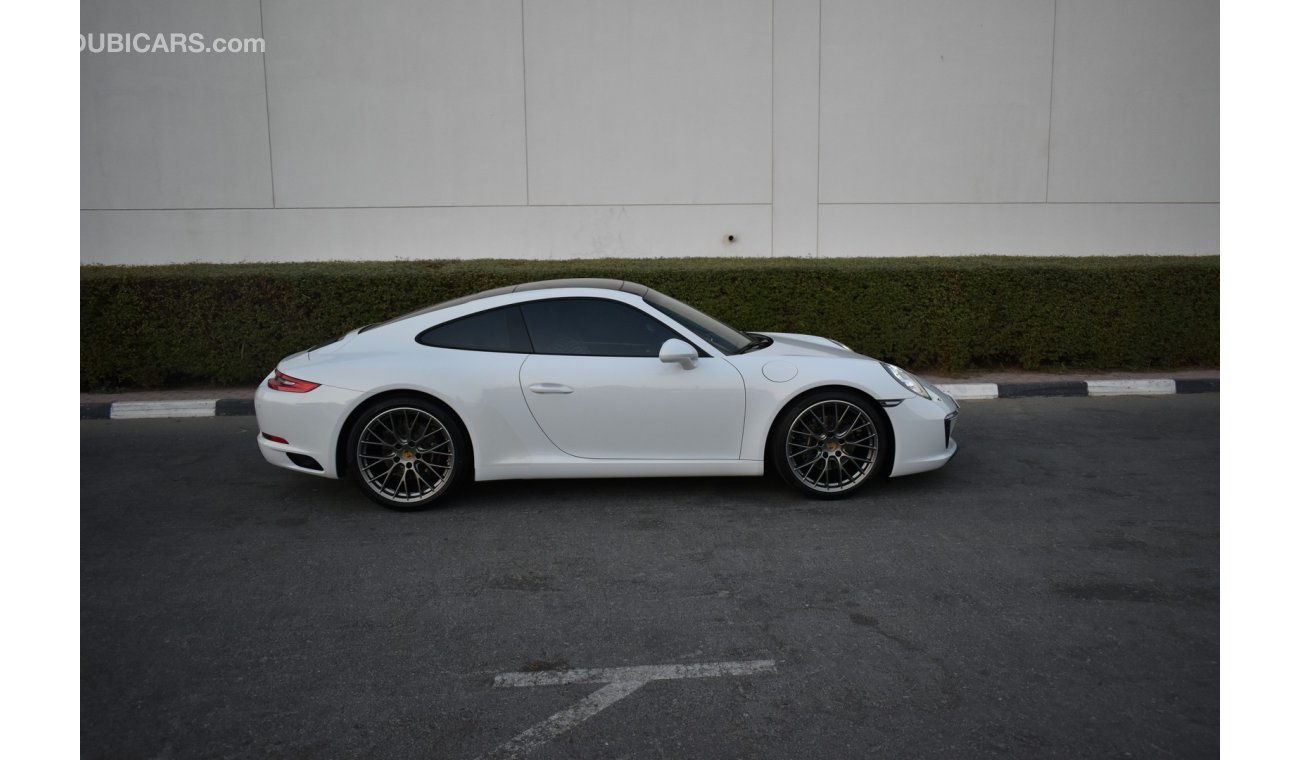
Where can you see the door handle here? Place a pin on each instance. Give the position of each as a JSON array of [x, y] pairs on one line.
[[549, 388]]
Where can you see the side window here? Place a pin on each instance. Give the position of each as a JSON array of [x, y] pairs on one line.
[[497, 330], [593, 327]]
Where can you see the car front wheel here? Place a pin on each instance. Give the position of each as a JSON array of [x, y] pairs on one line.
[[830, 444], [406, 453]]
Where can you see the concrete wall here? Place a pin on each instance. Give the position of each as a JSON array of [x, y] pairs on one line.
[[582, 128]]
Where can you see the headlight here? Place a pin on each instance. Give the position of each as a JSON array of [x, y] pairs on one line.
[[907, 381]]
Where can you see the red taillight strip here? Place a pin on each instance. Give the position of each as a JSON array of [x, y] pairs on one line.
[[274, 438], [282, 382]]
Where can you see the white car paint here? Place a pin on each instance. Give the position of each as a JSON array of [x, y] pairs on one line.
[[543, 416], [620, 407]]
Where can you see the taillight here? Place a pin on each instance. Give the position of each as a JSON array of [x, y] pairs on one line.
[[282, 382]]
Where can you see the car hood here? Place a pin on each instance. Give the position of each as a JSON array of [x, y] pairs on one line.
[[794, 344]]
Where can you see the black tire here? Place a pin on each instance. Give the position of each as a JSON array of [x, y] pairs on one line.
[[406, 453], [830, 444]]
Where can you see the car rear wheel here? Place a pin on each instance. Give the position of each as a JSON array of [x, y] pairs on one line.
[[406, 453], [830, 444]]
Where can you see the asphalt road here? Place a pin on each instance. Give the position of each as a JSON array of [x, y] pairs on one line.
[[1053, 592]]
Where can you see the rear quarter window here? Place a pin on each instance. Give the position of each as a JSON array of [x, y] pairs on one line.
[[501, 330]]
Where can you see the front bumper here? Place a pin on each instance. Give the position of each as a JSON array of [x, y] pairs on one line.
[[923, 432]]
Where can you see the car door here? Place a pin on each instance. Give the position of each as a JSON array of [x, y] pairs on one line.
[[598, 390]]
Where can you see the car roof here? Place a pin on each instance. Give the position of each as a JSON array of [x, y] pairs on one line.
[[583, 282], [598, 283]]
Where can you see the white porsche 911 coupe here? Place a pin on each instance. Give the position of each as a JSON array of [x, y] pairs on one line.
[[591, 378]]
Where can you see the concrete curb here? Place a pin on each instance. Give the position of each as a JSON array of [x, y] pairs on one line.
[[142, 410], [243, 407], [1135, 387]]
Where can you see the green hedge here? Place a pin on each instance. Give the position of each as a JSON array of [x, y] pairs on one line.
[[227, 324]]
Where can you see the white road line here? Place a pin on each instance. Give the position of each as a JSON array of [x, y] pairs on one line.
[[562, 721], [638, 673], [1131, 387], [136, 410], [620, 682], [967, 391]]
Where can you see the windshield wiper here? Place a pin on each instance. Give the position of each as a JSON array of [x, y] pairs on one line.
[[755, 342]]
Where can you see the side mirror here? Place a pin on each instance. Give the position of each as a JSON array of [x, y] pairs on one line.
[[675, 351]]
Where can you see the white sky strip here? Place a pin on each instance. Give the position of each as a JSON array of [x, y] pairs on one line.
[[620, 682]]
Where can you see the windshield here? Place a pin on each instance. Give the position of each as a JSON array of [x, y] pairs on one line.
[[720, 336]]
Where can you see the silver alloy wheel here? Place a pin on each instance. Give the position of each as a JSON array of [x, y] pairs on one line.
[[832, 446], [405, 455]]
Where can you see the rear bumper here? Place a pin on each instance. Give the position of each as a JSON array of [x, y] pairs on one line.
[[310, 422]]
